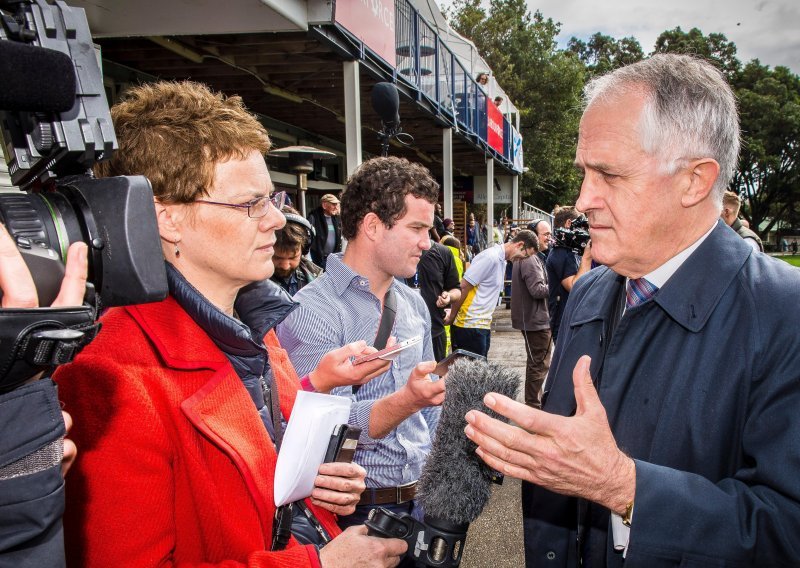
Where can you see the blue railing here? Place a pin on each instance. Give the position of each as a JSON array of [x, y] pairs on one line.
[[425, 62]]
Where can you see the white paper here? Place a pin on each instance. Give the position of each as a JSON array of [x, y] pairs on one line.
[[621, 534], [304, 443]]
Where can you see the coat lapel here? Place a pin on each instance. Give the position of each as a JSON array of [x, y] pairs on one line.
[[221, 409]]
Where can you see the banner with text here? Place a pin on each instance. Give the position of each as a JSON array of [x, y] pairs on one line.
[[494, 126], [371, 21]]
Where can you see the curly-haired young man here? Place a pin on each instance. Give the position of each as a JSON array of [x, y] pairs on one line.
[[387, 210]]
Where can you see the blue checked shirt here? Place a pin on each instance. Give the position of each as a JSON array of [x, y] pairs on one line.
[[338, 308]]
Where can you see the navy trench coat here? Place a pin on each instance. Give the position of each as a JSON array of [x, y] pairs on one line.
[[702, 388]]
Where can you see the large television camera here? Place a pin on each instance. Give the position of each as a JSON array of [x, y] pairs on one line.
[[55, 125], [575, 238]]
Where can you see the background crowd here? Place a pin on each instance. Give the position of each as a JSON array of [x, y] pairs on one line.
[[660, 430]]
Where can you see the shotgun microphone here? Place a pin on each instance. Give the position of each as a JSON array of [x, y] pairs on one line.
[[455, 484], [35, 79]]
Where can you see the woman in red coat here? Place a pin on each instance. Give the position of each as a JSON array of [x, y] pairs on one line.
[[172, 402]]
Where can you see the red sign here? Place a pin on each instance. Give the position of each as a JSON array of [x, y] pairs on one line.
[[371, 21], [494, 126]]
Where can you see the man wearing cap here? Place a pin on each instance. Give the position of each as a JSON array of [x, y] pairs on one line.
[[327, 229]]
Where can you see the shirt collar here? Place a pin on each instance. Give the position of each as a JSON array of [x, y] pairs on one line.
[[660, 275], [342, 276]]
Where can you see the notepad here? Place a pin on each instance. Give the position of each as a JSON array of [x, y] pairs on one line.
[[311, 423]]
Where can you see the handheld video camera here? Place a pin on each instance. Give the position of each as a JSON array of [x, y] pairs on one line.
[[55, 125], [576, 237], [432, 543]]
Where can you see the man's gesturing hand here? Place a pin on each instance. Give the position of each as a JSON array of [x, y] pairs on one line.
[[574, 455]]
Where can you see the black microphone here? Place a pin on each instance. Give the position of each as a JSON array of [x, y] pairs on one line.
[[386, 102], [35, 79], [455, 484]]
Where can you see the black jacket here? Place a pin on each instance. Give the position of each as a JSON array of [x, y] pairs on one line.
[[31, 486], [317, 220]]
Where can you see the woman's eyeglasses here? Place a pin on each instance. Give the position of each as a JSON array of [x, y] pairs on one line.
[[256, 208]]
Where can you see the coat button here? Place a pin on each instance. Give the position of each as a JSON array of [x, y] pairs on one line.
[[551, 555]]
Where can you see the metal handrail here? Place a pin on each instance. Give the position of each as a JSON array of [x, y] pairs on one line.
[[531, 213], [425, 61]]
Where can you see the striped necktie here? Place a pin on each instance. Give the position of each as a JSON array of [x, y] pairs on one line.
[[638, 292]]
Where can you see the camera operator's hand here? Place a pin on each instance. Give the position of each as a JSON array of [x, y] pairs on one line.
[[338, 487], [336, 368], [19, 291], [354, 549], [16, 281]]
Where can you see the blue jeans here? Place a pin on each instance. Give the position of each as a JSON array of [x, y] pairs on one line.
[[470, 339]]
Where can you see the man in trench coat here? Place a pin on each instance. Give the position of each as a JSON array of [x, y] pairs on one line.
[[670, 431]]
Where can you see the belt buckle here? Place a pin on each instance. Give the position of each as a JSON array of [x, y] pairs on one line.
[[400, 489]]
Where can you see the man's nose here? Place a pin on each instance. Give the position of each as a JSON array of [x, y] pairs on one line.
[[589, 197]]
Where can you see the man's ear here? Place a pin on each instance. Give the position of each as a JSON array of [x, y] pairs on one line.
[[702, 174], [372, 226], [169, 217]]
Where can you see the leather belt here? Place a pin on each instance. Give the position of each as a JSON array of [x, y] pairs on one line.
[[389, 495]]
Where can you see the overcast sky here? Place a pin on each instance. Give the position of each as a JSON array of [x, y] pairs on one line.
[[765, 29]]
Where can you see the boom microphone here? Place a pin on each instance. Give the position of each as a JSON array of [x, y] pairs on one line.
[[386, 102], [35, 79], [455, 483]]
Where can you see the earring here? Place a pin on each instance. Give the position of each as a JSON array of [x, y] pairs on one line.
[[177, 251]]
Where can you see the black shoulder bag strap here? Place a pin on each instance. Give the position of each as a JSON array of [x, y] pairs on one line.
[[386, 324]]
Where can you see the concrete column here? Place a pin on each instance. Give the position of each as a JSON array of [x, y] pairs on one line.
[[352, 115], [489, 201], [447, 171], [515, 197]]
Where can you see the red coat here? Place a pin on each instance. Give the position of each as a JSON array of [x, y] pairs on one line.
[[174, 464]]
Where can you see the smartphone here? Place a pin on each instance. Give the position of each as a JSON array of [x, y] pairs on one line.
[[389, 353], [443, 365], [343, 443]]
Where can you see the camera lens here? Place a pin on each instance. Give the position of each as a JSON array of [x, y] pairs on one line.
[[45, 219]]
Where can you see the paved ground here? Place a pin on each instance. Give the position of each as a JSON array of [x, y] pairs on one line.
[[495, 538]]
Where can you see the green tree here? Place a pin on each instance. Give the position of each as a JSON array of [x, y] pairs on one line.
[[768, 177], [713, 47], [543, 82], [603, 53]]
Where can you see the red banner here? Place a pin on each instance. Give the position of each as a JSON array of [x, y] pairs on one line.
[[494, 126], [371, 21]]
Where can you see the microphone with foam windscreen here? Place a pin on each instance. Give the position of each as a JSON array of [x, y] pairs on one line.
[[35, 79], [386, 102], [455, 484]]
